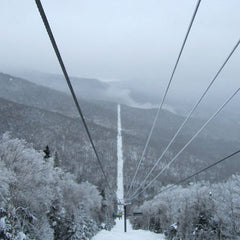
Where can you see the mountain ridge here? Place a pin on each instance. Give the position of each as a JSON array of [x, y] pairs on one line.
[[35, 110]]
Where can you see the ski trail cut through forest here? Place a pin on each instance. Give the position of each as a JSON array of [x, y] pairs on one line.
[[120, 159], [117, 232]]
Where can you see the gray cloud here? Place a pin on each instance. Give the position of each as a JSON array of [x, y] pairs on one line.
[[135, 41]]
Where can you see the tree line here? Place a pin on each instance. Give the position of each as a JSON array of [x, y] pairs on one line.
[[197, 211]]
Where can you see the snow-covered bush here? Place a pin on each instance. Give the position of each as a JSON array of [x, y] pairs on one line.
[[40, 201], [199, 211]]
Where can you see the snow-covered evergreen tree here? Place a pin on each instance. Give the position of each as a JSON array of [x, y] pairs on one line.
[[41, 201], [199, 211]]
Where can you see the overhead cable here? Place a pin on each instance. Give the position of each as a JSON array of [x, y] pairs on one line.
[[189, 115], [54, 44], [185, 146], [198, 172], [164, 96]]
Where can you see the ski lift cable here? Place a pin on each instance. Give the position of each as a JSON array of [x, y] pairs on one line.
[[57, 52], [189, 115], [164, 97], [185, 146], [200, 171]]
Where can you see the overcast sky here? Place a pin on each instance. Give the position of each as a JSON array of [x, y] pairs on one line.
[[124, 39]]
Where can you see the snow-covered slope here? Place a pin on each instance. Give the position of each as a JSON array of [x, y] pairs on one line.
[[117, 233]]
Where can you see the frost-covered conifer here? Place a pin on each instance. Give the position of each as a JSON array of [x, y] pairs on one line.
[[39, 200]]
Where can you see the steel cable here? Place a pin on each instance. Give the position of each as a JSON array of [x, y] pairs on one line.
[[164, 97]]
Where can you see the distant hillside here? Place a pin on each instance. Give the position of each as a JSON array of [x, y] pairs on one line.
[[143, 93], [30, 94], [82, 86], [85, 88], [45, 116], [103, 112]]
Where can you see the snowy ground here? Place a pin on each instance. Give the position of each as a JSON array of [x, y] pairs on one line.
[[117, 233]]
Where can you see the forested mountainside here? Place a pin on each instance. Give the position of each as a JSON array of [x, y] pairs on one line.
[[129, 93], [64, 136], [43, 116], [30, 94], [59, 127], [88, 88], [215, 142]]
